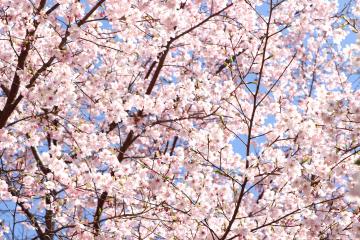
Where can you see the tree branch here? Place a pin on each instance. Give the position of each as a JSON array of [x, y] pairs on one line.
[[85, 18], [168, 45], [99, 209]]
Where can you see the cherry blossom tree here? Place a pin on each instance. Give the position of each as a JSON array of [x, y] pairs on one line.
[[179, 119]]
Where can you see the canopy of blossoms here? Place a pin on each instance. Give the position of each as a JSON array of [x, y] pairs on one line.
[[179, 119]]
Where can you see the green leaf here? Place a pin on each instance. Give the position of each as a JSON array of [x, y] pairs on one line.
[[219, 172], [357, 162]]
